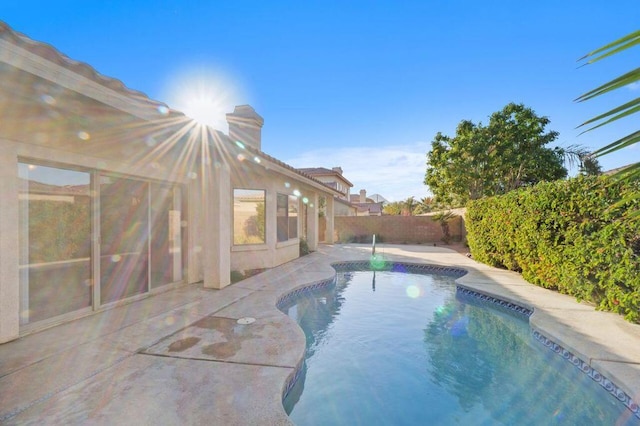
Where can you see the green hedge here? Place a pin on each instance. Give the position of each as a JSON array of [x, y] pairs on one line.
[[572, 236]]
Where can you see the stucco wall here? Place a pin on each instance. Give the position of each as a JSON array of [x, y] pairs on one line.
[[340, 209], [396, 229]]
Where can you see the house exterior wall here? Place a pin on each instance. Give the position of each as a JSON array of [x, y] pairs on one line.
[[175, 179], [273, 253], [341, 209]]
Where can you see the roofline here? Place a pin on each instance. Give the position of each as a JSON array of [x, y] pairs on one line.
[[329, 173], [68, 73], [277, 165]]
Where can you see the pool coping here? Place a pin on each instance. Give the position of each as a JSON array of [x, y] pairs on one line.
[[39, 382]]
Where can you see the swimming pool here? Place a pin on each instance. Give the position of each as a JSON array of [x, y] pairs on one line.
[[391, 347]]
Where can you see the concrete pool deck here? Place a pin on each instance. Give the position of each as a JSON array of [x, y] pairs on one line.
[[181, 357]]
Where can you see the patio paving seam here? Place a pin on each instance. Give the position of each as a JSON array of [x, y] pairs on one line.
[[220, 361]]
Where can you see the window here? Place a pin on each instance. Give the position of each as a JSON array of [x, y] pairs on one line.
[[55, 241], [248, 216], [287, 214]]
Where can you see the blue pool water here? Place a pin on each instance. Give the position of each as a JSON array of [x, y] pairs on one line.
[[389, 348]]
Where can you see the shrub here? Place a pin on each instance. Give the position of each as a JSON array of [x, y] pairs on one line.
[[304, 247], [236, 276], [573, 236], [346, 237]]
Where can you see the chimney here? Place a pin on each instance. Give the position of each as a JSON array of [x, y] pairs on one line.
[[337, 169], [363, 196], [245, 125]]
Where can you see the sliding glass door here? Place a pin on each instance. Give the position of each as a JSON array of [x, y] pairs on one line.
[[140, 236], [124, 238], [84, 244]]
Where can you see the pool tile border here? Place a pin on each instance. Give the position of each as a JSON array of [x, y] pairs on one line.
[[584, 366], [526, 312], [416, 268], [303, 291]]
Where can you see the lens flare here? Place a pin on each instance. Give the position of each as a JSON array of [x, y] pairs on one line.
[[204, 94], [413, 291], [377, 262]]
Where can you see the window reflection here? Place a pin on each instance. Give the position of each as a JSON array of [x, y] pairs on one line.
[[124, 237], [55, 241], [293, 217], [248, 216], [166, 234], [287, 217]]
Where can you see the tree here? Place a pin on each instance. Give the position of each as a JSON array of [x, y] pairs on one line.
[[393, 209], [589, 166], [425, 205], [504, 155], [585, 160], [409, 205], [443, 219]]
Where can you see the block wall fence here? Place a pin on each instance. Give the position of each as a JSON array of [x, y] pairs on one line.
[[396, 229]]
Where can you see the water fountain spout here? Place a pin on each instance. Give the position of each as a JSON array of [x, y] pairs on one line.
[[373, 248]]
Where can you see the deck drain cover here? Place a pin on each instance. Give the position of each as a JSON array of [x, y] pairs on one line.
[[246, 320]]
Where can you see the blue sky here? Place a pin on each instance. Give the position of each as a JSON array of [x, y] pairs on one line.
[[364, 85]]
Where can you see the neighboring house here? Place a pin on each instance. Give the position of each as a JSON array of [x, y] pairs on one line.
[[377, 198], [335, 179], [616, 170], [332, 178], [367, 206], [107, 196]]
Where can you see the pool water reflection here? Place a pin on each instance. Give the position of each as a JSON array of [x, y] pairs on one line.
[[399, 348]]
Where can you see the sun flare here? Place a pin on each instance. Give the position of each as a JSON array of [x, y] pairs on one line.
[[204, 95]]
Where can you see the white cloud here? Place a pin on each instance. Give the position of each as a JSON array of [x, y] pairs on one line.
[[395, 171], [634, 86]]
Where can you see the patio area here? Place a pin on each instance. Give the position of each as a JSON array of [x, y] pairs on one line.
[[182, 357]]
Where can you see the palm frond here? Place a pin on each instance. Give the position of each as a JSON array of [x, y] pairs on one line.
[[614, 47], [622, 111], [616, 83], [619, 144]]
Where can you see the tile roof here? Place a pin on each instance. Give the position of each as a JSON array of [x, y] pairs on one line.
[[50, 53]]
